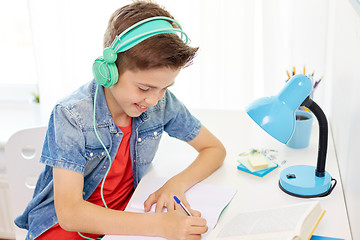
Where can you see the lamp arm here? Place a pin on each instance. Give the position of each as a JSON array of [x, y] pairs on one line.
[[323, 135]]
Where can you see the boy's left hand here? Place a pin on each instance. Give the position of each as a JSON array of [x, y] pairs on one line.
[[164, 197]]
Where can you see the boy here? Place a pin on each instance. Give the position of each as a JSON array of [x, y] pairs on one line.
[[130, 118]]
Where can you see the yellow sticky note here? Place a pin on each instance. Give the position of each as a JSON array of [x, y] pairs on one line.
[[258, 162]]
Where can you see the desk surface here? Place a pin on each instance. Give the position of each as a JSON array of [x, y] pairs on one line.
[[239, 134]]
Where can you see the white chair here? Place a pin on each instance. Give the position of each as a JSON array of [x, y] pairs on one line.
[[22, 154]]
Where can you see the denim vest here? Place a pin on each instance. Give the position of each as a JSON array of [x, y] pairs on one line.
[[71, 143]]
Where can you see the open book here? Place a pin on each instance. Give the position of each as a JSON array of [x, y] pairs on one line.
[[210, 200], [291, 222]]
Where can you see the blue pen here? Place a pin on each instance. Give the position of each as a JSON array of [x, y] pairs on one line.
[[182, 205]]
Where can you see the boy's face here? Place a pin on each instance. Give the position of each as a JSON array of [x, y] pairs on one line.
[[137, 90]]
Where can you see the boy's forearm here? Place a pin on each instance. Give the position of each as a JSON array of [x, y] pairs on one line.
[[91, 218], [211, 156], [203, 166]]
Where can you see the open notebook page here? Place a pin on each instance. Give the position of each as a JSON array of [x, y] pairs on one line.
[[210, 200]]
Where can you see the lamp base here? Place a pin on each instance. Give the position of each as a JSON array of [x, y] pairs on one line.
[[301, 181]]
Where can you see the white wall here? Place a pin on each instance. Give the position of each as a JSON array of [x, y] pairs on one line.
[[343, 67], [245, 46]]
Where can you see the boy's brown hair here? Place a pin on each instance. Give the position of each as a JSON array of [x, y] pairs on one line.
[[162, 50]]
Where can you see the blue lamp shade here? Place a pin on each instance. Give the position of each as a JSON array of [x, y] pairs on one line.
[[276, 114]]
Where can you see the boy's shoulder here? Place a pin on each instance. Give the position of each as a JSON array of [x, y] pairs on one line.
[[78, 106], [82, 95]]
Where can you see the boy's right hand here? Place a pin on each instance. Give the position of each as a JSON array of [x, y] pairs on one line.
[[178, 225]]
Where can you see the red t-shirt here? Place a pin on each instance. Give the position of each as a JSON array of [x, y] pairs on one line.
[[117, 190]]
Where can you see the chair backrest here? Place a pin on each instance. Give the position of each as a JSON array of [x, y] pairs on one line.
[[22, 154]]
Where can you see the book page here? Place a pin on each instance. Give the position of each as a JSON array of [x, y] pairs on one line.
[[311, 220], [277, 223]]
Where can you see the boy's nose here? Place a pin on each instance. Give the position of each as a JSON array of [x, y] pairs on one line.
[[152, 100]]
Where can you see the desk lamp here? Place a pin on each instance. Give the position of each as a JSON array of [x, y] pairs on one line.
[[276, 115]]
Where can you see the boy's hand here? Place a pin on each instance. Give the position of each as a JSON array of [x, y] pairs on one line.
[[178, 225], [164, 197]]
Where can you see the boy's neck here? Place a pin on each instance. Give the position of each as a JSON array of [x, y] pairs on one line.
[[122, 121], [120, 118]]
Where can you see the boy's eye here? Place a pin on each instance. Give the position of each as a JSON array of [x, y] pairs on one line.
[[144, 89]]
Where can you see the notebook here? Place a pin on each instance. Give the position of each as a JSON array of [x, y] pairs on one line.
[[210, 200]]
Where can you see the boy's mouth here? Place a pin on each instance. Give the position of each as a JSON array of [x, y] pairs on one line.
[[141, 108]]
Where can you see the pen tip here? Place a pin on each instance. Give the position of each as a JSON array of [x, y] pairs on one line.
[[177, 200]]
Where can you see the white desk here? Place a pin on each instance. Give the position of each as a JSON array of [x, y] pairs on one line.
[[239, 134]]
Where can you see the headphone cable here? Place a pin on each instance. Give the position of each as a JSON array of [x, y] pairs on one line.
[[108, 155]]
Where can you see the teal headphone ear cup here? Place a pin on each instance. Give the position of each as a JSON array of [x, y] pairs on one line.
[[114, 74], [106, 74]]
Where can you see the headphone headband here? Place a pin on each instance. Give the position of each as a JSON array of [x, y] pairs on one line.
[[145, 29], [104, 67]]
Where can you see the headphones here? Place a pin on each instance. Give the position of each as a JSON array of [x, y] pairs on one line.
[[104, 68]]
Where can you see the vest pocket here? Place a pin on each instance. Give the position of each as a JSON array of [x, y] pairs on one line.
[[93, 159], [147, 144]]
